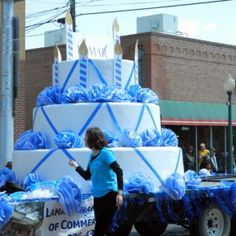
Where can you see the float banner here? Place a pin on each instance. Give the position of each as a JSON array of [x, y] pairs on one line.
[[57, 223]]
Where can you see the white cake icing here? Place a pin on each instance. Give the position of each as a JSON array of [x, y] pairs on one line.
[[165, 161], [112, 117], [155, 162], [99, 71]]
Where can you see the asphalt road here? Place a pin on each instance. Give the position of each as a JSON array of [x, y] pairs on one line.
[[172, 230]]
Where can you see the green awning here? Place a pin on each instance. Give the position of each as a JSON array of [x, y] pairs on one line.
[[195, 113]]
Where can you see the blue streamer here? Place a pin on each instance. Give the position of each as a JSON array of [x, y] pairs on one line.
[[98, 72], [130, 76], [49, 121], [97, 108], [113, 118], [140, 117], [43, 160], [150, 113], [69, 74]]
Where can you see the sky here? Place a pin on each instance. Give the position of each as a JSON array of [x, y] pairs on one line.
[[215, 22]]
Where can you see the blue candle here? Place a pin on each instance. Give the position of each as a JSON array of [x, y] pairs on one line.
[[136, 63], [83, 53], [117, 64], [69, 37], [57, 59]]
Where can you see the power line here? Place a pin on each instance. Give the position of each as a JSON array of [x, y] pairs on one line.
[[157, 7]]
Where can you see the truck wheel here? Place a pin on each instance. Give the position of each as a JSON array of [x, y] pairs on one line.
[[150, 228], [213, 222], [233, 226], [122, 230]]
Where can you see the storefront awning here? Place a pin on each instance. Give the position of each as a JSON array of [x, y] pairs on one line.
[[195, 113]]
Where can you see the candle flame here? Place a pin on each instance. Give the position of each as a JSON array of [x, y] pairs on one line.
[[117, 48], [115, 26], [68, 18], [83, 50], [57, 53]]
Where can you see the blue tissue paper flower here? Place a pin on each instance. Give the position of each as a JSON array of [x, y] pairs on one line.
[[139, 183], [191, 179], [69, 195], [31, 179], [130, 138], [112, 140], [7, 176], [133, 90], [100, 93], [151, 137], [175, 186], [68, 139], [6, 210], [119, 95], [168, 138], [146, 95], [30, 140], [75, 94], [50, 95]]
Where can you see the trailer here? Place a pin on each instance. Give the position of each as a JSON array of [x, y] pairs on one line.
[[209, 209]]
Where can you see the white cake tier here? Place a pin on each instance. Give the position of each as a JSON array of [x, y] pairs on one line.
[[154, 162], [113, 117], [98, 71]]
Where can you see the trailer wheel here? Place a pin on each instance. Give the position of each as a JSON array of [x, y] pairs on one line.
[[150, 228], [212, 222], [122, 230], [233, 226]]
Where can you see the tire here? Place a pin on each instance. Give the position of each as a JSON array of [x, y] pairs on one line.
[[233, 226], [150, 228], [122, 230], [212, 222]]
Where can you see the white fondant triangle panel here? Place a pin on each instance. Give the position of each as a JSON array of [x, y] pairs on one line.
[[53, 164], [99, 72], [113, 117]]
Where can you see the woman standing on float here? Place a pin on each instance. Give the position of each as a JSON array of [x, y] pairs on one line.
[[107, 180]]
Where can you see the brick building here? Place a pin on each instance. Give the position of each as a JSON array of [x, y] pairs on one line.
[[187, 74]]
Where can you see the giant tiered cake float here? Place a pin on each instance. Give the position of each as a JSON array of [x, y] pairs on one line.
[[89, 91], [104, 93]]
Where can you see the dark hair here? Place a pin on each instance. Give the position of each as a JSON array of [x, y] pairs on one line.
[[95, 138]]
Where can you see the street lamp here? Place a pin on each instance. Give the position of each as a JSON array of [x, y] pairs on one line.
[[229, 86]]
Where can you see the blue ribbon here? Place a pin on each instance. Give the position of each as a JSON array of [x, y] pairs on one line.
[[150, 113], [36, 111], [49, 121], [90, 118], [113, 118], [177, 162], [97, 71], [68, 155], [69, 74], [43, 160], [140, 117], [149, 165], [130, 76]]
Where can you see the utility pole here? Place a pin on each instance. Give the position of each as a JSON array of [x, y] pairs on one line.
[[6, 83], [72, 12]]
